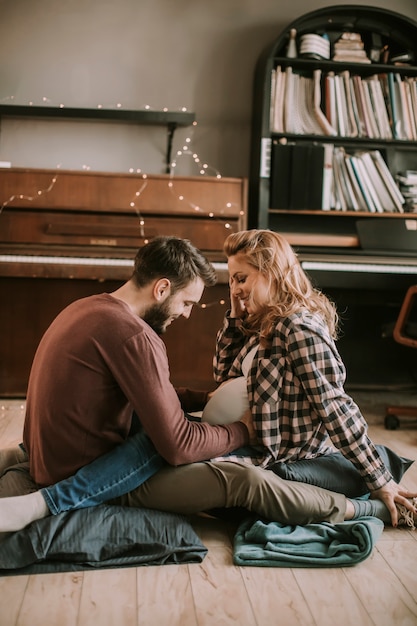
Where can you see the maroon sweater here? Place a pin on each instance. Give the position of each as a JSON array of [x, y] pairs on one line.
[[95, 364]]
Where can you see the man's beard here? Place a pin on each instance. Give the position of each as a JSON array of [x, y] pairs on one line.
[[157, 316]]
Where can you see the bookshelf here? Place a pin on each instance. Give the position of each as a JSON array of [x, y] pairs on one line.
[[386, 37]]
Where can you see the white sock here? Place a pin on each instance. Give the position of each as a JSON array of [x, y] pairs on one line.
[[19, 511]]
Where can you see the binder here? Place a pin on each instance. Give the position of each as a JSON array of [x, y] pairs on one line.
[[307, 169], [280, 180]]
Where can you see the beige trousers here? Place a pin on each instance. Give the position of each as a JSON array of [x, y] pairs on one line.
[[200, 487]]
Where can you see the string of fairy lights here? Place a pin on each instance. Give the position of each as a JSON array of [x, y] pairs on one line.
[[204, 169]]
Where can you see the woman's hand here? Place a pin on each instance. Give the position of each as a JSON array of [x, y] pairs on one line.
[[237, 308], [392, 494]]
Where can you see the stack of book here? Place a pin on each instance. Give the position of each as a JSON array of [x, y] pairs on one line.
[[379, 106], [296, 104], [314, 176], [363, 182], [349, 48]]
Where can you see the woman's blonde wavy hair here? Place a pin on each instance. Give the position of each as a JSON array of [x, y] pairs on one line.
[[290, 290]]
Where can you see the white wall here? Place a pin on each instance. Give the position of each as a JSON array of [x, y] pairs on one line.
[[198, 54]]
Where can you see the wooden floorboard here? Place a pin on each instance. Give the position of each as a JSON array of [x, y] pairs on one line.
[[381, 591]]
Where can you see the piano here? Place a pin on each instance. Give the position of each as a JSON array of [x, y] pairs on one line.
[[66, 234]]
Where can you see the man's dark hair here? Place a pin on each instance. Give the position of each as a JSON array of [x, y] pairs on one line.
[[173, 258]]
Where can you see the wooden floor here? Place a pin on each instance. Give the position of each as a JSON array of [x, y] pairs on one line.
[[381, 591]]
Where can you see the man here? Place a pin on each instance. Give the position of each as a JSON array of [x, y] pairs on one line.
[[103, 360]]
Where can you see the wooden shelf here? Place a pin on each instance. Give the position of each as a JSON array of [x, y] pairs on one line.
[[170, 119]]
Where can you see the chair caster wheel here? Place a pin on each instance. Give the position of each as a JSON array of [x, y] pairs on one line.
[[391, 422]]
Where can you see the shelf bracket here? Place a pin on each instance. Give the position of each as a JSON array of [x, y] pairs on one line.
[[172, 126]]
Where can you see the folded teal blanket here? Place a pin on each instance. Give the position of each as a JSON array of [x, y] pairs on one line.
[[271, 544]]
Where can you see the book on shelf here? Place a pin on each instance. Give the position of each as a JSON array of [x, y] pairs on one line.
[[350, 106], [386, 203], [360, 173], [345, 199], [296, 104], [272, 99], [383, 80], [308, 123], [279, 190], [412, 87], [373, 130], [357, 102], [365, 113], [394, 84], [278, 81], [407, 181], [361, 203], [410, 121], [389, 180], [327, 201], [330, 100], [307, 167], [326, 127], [341, 108], [379, 107], [290, 100]]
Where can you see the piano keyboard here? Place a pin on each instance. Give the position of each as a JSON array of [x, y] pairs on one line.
[[370, 268], [64, 260], [333, 272]]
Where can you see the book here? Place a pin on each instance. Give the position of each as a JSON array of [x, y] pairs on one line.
[[363, 106], [385, 198], [290, 98], [399, 131], [360, 200], [308, 122], [327, 201], [403, 108], [371, 182], [389, 180], [307, 165], [379, 107], [411, 81], [330, 101], [341, 110], [280, 178], [326, 127], [357, 166], [344, 190], [272, 100], [357, 106], [409, 111], [371, 124], [339, 198], [351, 117], [277, 110]]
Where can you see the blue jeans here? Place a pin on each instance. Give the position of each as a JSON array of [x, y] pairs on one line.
[[119, 471]]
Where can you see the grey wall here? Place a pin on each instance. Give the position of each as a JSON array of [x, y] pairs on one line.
[[198, 54]]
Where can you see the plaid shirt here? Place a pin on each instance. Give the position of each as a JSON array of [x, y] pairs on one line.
[[297, 397]]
